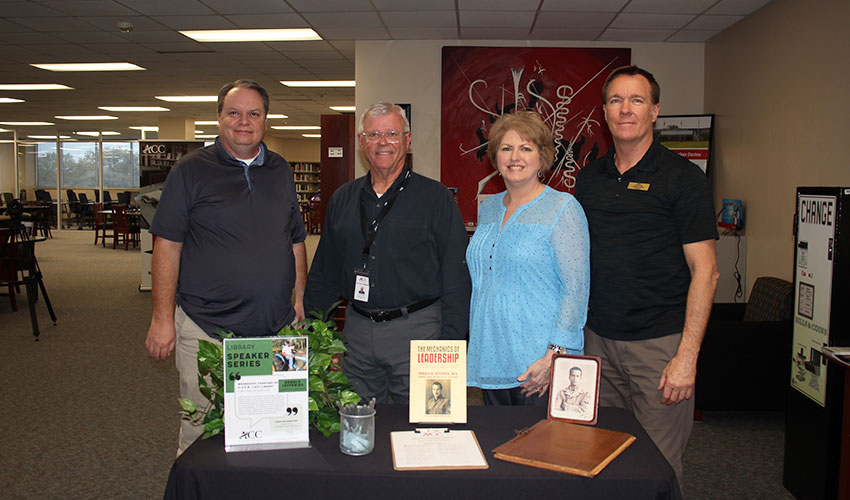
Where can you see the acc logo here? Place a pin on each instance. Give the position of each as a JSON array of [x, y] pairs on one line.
[[154, 149], [251, 435]]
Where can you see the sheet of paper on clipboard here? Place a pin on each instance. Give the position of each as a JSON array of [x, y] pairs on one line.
[[435, 449]]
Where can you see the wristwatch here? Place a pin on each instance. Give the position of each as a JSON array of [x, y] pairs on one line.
[[558, 349]]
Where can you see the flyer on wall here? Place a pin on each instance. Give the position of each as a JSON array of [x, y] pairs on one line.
[[438, 381], [265, 393]]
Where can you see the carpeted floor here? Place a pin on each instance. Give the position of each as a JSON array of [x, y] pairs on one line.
[[86, 414]]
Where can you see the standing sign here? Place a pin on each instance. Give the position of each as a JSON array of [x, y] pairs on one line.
[[813, 295], [265, 393]]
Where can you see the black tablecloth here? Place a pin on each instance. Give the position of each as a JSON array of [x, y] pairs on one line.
[[322, 471]]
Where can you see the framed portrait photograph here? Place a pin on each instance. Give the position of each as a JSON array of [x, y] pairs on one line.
[[574, 389]]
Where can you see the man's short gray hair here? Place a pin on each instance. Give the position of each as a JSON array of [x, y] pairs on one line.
[[381, 109]]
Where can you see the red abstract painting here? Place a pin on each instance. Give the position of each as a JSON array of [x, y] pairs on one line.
[[564, 85]]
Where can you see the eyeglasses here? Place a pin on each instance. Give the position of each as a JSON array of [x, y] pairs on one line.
[[392, 137]]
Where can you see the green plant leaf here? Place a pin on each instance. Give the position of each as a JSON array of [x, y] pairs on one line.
[[349, 397], [188, 405]]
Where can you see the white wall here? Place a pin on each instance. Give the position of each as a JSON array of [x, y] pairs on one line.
[[410, 72]]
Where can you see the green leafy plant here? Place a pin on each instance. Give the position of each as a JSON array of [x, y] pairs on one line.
[[328, 386]]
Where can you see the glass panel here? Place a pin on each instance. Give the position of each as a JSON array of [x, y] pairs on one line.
[[120, 164], [44, 158], [79, 164]]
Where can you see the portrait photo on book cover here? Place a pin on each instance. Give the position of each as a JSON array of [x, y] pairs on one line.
[[574, 388], [438, 400]]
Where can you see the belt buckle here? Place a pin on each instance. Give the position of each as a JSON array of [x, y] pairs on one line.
[[380, 317]]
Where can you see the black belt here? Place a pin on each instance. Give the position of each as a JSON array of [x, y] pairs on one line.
[[390, 314]]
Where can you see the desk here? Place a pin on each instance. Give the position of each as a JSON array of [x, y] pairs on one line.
[[206, 471]]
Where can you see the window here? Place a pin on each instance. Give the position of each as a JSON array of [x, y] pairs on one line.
[[79, 164], [120, 164]]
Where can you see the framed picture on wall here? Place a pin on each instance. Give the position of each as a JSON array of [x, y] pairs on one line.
[[689, 135]]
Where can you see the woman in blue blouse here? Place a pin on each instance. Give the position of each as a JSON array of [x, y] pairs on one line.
[[530, 266]]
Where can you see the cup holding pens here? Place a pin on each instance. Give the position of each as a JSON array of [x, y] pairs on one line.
[[357, 429]]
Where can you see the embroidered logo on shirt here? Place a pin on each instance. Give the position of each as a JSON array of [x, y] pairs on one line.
[[639, 186]]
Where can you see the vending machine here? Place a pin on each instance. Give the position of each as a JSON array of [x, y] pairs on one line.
[[815, 423]]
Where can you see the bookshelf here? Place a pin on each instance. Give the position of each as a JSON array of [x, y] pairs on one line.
[[307, 181]]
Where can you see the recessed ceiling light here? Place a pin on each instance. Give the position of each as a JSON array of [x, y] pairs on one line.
[[201, 123], [342, 108], [296, 127], [34, 86], [146, 128], [112, 66], [278, 116], [319, 83], [25, 124], [311, 136], [95, 134], [84, 117], [48, 137], [254, 35], [187, 98], [118, 109], [205, 136], [6, 100]]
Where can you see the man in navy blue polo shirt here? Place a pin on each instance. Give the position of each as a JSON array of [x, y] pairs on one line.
[[653, 267], [230, 243]]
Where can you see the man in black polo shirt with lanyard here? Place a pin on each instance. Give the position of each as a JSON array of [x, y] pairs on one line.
[[393, 245], [653, 268]]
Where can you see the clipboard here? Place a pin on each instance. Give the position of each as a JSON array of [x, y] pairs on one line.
[[436, 449]]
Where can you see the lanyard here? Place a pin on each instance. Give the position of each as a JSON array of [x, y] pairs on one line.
[[370, 231]]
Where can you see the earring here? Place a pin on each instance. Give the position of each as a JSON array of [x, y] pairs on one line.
[[540, 173]]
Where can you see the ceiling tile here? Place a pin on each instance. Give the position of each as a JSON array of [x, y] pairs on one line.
[[669, 6], [738, 7], [84, 8], [513, 19], [635, 35], [268, 21], [573, 19], [248, 6], [713, 23], [692, 35], [477, 33], [423, 33], [565, 33], [584, 5], [651, 21], [14, 9], [58, 23], [332, 5], [388, 5], [29, 38], [168, 7], [420, 19], [489, 5], [212, 22], [140, 23], [352, 20], [354, 33]]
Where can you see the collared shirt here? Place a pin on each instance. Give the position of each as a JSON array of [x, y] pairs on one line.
[[418, 252], [237, 224], [638, 222]]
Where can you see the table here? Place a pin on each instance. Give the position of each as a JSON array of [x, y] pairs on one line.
[[206, 471]]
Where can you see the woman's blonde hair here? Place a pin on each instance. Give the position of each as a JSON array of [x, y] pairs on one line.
[[530, 127]]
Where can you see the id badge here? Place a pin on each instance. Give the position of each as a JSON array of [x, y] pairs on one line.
[[361, 285]]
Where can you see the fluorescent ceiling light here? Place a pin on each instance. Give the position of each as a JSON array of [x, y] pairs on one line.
[[34, 86], [201, 123], [112, 66], [296, 127], [118, 109], [199, 132], [95, 134], [48, 137], [319, 83], [278, 116], [312, 136], [6, 100], [146, 128], [25, 124], [205, 136], [342, 108], [84, 117], [255, 35], [187, 98]]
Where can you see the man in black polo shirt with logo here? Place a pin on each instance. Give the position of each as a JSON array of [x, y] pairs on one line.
[[653, 268], [230, 243], [393, 244]]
